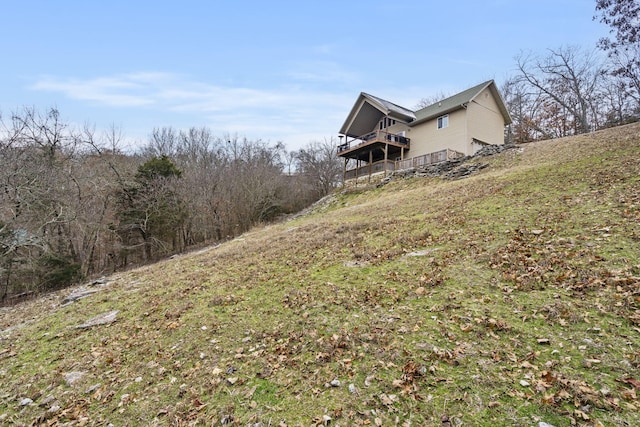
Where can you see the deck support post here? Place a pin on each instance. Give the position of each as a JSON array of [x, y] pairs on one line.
[[386, 158]]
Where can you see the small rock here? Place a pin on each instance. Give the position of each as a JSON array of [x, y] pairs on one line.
[[46, 401], [101, 319], [93, 388], [423, 252], [73, 377], [76, 295], [543, 424], [369, 380], [353, 389], [54, 409], [26, 401], [335, 383], [537, 232], [524, 383], [101, 281]]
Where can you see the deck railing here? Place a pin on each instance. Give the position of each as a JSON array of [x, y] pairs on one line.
[[375, 136], [427, 159], [414, 162], [376, 167]]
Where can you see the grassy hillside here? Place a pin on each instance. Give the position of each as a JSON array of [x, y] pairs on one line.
[[511, 297]]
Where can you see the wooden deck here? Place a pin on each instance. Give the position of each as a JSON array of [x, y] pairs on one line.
[[361, 147], [390, 166]]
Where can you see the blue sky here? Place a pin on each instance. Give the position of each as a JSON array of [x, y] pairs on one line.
[[274, 70]]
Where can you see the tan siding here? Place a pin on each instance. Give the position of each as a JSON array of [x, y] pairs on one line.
[[427, 138], [481, 120], [486, 123], [397, 128]]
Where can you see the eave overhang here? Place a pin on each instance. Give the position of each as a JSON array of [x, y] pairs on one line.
[[368, 110]]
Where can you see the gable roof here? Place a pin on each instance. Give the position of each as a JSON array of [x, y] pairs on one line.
[[368, 110], [391, 107], [460, 100]]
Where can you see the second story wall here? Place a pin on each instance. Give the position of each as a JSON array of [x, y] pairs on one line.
[[427, 138], [485, 121]]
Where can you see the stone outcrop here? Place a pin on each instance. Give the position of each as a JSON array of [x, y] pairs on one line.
[[449, 169]]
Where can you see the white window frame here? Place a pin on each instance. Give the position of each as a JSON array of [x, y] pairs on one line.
[[443, 121]]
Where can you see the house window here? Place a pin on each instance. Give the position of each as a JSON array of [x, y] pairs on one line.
[[443, 121], [386, 122]]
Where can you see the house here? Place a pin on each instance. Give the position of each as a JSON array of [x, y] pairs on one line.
[[381, 136]]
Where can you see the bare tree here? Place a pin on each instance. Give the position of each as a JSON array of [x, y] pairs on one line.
[[430, 100], [319, 167], [73, 204], [568, 78]]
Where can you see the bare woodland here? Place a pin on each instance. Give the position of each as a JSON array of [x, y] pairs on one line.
[[570, 89], [74, 205]]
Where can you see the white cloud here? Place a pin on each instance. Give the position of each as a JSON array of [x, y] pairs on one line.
[[322, 72], [288, 113], [125, 91]]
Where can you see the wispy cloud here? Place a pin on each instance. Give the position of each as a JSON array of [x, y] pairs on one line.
[[284, 113], [131, 90], [322, 72]]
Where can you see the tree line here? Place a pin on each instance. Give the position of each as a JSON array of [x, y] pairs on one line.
[[73, 204], [570, 89]]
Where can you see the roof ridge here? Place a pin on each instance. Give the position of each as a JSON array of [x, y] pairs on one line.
[[384, 101], [474, 89]]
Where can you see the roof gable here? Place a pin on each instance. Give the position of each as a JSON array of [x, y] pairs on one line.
[[391, 108], [368, 109], [367, 112], [460, 100]]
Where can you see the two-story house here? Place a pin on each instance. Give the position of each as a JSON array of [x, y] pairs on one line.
[[381, 136]]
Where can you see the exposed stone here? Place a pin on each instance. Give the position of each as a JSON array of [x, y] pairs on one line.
[[465, 170], [355, 264], [100, 282], [77, 294], [26, 401], [73, 377], [423, 252], [46, 401], [93, 388], [448, 169], [101, 319]]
